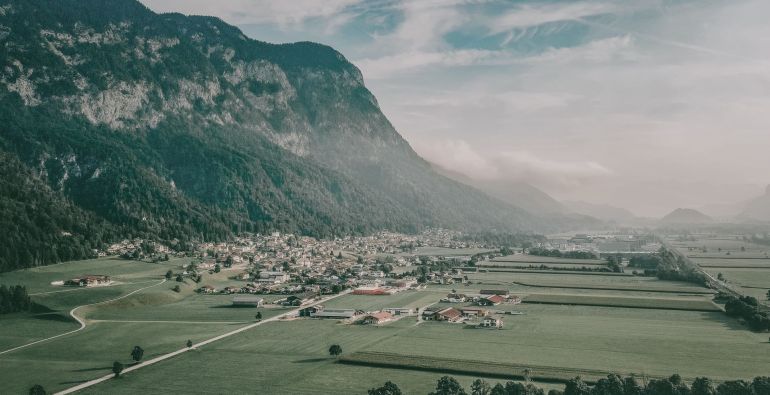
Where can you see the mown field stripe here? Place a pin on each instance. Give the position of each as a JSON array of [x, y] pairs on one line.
[[660, 290]]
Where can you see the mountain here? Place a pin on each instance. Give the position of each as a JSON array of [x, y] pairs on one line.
[[603, 212], [757, 209], [521, 194], [684, 216], [181, 128]]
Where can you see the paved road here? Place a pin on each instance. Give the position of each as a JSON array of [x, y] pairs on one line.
[[82, 322], [183, 350]]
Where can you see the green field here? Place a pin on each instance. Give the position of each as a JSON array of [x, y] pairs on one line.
[[690, 304], [534, 259], [752, 282], [441, 251], [290, 357]]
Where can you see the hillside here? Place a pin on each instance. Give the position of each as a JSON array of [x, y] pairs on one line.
[[174, 127], [684, 216]]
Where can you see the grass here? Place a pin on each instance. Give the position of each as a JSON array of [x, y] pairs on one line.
[[534, 259], [752, 282], [441, 251], [690, 304], [291, 357], [412, 299]]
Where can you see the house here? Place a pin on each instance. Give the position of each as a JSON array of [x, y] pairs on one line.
[[231, 290], [311, 310], [377, 318], [449, 314], [471, 312], [207, 289], [248, 300], [514, 300], [493, 300], [455, 298], [494, 292], [273, 277], [89, 280], [399, 310], [243, 276], [491, 322]]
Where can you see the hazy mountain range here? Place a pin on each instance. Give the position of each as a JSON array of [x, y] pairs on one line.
[[121, 122]]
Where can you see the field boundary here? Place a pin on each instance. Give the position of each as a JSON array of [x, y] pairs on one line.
[[499, 370], [715, 309], [495, 269], [695, 291]]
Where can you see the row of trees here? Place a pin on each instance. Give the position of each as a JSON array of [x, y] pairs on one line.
[[613, 384], [747, 308], [558, 254], [14, 299]]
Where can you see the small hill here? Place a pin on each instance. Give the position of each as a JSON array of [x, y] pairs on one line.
[[686, 216], [757, 209]]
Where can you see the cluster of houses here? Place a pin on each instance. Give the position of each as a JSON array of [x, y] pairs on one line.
[[354, 315], [88, 280], [486, 297], [459, 315]]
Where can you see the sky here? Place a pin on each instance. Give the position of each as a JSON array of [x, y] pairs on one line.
[[648, 105]]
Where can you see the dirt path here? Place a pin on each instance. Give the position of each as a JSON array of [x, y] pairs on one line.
[[82, 322]]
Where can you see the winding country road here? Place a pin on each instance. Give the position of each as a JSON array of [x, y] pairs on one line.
[[194, 346], [82, 322]]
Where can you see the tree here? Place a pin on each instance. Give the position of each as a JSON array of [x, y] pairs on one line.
[[389, 388], [117, 367], [702, 386], [169, 274], [761, 385], [576, 386], [480, 387], [189, 344], [176, 288], [448, 386], [735, 387], [335, 350], [631, 386], [612, 385], [137, 353], [179, 278], [498, 389], [217, 268], [527, 374], [37, 389], [768, 295], [258, 316]]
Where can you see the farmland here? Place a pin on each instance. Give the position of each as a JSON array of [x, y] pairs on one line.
[[534, 259], [569, 324]]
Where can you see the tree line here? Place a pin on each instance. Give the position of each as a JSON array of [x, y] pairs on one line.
[[14, 299], [613, 384], [537, 251], [747, 308]]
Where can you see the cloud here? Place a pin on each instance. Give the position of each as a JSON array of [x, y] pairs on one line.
[[394, 65], [459, 156], [283, 13], [527, 15]]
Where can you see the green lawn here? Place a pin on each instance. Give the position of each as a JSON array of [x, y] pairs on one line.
[[534, 259], [290, 357], [752, 282], [413, 299]]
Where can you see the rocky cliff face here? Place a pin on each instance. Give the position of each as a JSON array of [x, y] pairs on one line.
[[181, 127]]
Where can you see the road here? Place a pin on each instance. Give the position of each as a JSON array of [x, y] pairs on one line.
[[194, 346], [720, 286], [80, 321]]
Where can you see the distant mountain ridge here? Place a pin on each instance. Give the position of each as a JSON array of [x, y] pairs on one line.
[[686, 216], [604, 212], [757, 209], [181, 128]]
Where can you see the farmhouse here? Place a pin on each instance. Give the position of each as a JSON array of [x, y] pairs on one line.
[[493, 300], [455, 298], [247, 300], [449, 314], [89, 280], [491, 322], [399, 310], [273, 277], [311, 310], [494, 292], [514, 300], [207, 289], [471, 312], [377, 318]]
